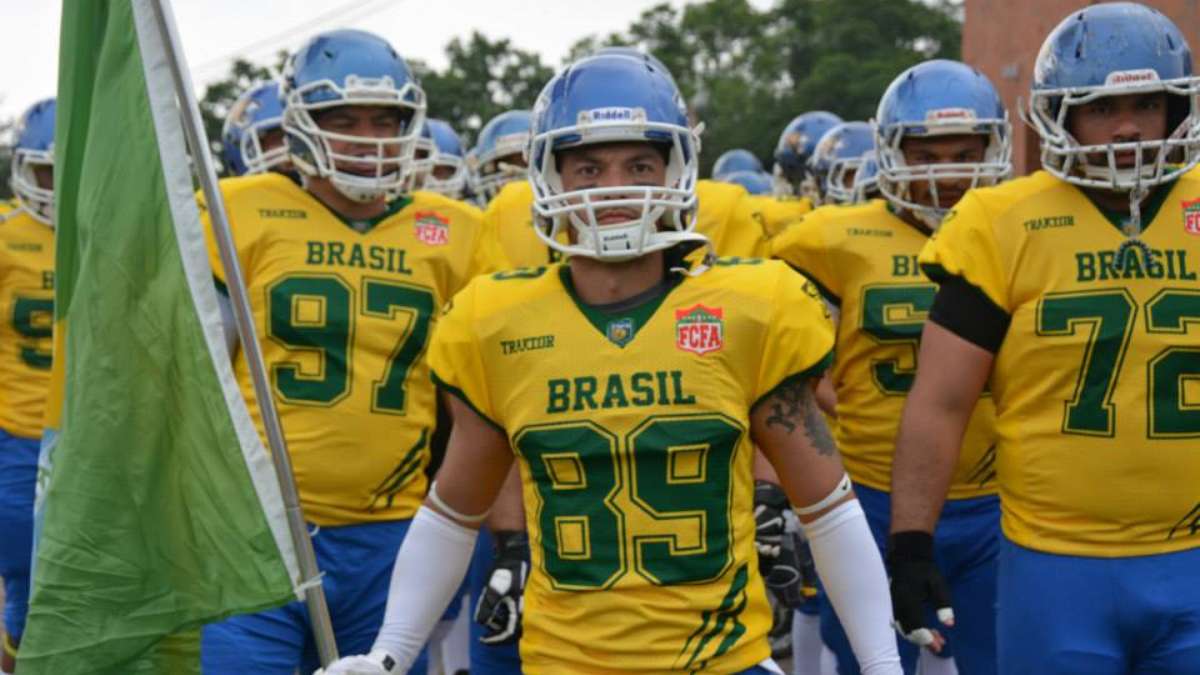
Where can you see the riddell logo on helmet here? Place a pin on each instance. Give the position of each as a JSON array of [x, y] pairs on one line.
[[1191, 217], [612, 115], [700, 329], [1131, 76], [950, 115]]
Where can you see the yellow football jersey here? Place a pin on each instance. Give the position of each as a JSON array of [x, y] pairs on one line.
[[775, 214], [508, 223], [344, 318], [1097, 381], [27, 303], [631, 432], [731, 218], [865, 258], [727, 214]]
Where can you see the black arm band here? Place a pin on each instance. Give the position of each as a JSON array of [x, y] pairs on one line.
[[967, 312]]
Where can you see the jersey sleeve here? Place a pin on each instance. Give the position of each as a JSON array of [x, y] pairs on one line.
[[455, 361], [775, 215], [488, 255], [965, 247], [242, 241], [210, 240], [798, 340], [745, 231], [804, 246]]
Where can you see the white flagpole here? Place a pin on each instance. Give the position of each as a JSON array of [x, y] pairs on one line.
[[193, 127]]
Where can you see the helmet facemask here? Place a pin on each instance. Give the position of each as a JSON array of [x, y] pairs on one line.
[[1158, 161], [257, 158], [390, 158], [451, 186], [34, 199], [841, 171], [666, 213], [419, 171], [494, 172], [896, 176]]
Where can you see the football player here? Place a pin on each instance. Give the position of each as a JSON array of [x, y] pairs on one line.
[[866, 179], [1074, 293], [629, 383], [252, 139], [837, 158], [941, 129], [440, 165], [735, 160], [757, 183], [344, 282], [731, 219], [797, 142], [499, 153], [27, 305]]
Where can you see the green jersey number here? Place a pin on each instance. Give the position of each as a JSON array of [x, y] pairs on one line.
[[1174, 368], [1108, 317], [676, 470], [315, 313], [33, 318], [894, 315]]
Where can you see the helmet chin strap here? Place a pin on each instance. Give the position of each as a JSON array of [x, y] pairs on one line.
[[1133, 230], [930, 216]]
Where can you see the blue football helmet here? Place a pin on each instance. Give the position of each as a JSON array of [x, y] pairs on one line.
[[607, 99], [34, 148], [837, 157], [501, 142], [621, 50], [755, 182], [939, 98], [735, 160], [351, 68], [1114, 49], [440, 148], [256, 112], [796, 144], [866, 183]]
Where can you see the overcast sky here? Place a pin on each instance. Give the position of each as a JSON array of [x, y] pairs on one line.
[[214, 30]]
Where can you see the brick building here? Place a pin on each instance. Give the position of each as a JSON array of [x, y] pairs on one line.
[[1002, 38]]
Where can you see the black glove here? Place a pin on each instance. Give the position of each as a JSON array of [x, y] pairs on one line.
[[503, 599], [770, 504], [915, 584], [783, 556]]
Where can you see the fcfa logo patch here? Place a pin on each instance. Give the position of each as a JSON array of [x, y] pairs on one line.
[[700, 329], [1191, 217], [432, 228]]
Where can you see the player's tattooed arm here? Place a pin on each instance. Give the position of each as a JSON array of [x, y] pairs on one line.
[[792, 407], [788, 428]]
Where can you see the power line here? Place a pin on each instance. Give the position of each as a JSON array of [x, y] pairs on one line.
[[344, 13]]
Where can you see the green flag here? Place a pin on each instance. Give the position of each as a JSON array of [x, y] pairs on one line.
[[161, 509]]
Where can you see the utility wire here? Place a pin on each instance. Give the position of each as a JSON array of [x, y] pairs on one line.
[[344, 13]]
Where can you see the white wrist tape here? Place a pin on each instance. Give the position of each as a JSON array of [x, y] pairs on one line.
[[429, 568], [446, 509], [842, 489]]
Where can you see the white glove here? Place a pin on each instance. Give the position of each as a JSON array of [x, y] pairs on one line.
[[378, 662]]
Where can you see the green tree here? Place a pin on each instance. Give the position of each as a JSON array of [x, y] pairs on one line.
[[483, 79], [220, 96], [747, 72]]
